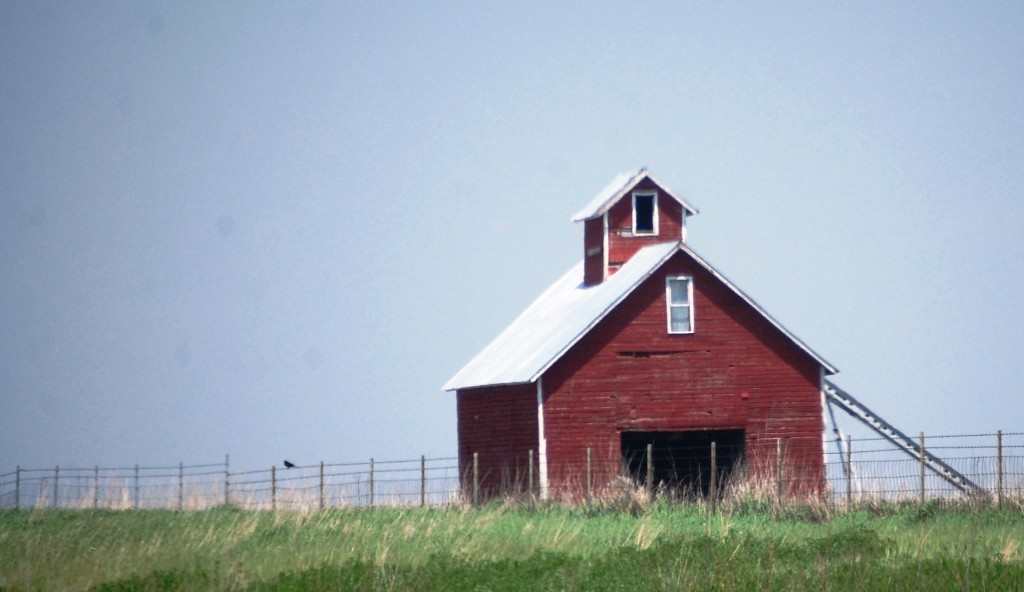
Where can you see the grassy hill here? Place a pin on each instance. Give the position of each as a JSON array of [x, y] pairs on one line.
[[512, 547]]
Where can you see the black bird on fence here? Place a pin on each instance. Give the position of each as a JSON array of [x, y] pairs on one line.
[[288, 465]]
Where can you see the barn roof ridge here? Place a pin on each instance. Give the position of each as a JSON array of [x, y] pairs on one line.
[[622, 184], [566, 311]]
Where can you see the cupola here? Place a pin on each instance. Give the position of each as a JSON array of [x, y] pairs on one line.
[[635, 210]]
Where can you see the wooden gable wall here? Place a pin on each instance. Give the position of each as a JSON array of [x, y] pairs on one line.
[[736, 371]]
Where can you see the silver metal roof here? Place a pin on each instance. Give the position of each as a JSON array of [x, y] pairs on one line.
[[621, 185], [566, 311]]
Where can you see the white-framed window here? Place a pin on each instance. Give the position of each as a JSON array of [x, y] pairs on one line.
[[679, 300], [645, 212]]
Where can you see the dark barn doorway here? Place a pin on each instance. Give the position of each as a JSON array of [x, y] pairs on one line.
[[682, 460]]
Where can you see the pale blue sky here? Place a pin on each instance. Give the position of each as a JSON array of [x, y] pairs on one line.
[[274, 230]]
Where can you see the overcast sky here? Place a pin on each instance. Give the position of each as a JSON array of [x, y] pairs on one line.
[[274, 230]]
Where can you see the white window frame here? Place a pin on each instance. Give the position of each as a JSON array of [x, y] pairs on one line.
[[654, 213], [669, 304]]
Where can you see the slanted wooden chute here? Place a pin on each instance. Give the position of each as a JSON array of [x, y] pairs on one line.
[[847, 402]]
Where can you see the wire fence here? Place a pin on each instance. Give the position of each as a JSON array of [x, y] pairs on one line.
[[994, 463], [423, 481], [853, 471]]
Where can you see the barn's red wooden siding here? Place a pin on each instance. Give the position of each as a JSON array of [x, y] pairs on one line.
[[499, 423], [622, 245], [629, 374]]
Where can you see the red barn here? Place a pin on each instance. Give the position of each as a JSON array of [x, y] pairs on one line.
[[641, 343]]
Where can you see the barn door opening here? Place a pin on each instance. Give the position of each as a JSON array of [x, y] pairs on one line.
[[682, 460]]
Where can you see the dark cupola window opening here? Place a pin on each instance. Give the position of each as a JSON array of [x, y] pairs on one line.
[[645, 213]]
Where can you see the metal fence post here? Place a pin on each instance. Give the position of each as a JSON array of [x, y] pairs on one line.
[[321, 485], [227, 480], [371, 482], [56, 486], [96, 488], [713, 488], [135, 500], [273, 488], [849, 474], [650, 469], [999, 469], [423, 481], [778, 470], [529, 473], [181, 486], [476, 478], [589, 473], [17, 488], [922, 469]]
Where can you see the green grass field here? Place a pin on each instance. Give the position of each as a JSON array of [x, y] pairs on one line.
[[502, 547]]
